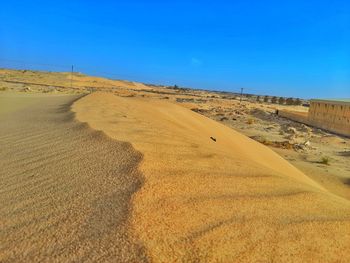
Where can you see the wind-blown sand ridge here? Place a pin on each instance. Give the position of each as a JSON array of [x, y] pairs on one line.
[[232, 200], [159, 189]]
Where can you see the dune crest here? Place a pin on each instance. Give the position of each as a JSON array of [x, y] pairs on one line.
[[225, 198]]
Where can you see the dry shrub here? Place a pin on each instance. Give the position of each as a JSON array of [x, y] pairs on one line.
[[325, 160], [276, 144], [250, 121]]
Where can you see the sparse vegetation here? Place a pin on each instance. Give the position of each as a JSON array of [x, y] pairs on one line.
[[250, 121], [325, 160], [297, 101], [277, 144], [3, 88], [281, 100], [290, 101]]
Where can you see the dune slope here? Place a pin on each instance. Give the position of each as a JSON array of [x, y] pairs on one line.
[[232, 200], [64, 188]]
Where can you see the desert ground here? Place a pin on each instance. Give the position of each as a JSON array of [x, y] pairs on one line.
[[118, 171], [62, 196]]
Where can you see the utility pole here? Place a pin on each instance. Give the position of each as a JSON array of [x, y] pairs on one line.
[[71, 78], [240, 100]]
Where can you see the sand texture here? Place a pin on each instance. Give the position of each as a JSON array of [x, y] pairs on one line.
[[64, 188], [229, 200]]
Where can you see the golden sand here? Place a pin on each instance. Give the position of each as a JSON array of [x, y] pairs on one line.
[[232, 200], [64, 188]]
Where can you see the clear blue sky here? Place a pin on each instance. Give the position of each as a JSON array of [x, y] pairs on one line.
[[289, 48]]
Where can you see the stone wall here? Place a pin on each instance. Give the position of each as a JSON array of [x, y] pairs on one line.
[[297, 116], [327, 115]]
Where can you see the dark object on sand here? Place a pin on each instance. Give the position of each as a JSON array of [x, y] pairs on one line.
[[213, 139]]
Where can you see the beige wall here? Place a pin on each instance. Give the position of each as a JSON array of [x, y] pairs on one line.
[[334, 117], [294, 115]]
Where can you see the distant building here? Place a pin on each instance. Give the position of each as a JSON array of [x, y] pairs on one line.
[[329, 114], [332, 115]]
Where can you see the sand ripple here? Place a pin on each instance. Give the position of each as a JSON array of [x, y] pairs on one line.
[[65, 188]]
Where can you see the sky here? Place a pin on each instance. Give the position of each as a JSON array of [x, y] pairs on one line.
[[283, 48]]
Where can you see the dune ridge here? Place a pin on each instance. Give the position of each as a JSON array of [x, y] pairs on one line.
[[232, 200], [65, 188]]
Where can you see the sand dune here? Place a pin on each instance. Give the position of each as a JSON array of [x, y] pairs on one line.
[[66, 79], [232, 200], [64, 188]]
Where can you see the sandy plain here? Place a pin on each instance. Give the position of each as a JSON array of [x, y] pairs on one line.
[[150, 173]]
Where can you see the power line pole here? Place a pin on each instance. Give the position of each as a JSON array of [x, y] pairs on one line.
[[71, 78], [240, 100]]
